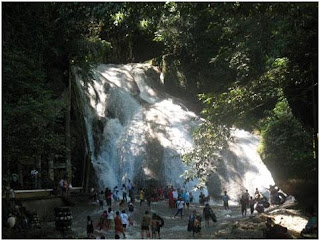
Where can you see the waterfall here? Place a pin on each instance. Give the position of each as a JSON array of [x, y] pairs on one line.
[[241, 168], [137, 131]]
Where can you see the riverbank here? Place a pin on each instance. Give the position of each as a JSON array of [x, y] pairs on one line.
[[230, 224]]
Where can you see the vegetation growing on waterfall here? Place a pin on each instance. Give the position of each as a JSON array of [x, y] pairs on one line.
[[252, 65]]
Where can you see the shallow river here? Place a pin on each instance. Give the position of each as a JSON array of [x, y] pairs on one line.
[[174, 228]]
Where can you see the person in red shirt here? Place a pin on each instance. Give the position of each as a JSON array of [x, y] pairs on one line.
[[118, 228], [171, 201]]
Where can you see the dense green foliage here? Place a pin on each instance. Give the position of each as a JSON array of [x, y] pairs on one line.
[[259, 55], [29, 109], [253, 66], [40, 43], [285, 142]]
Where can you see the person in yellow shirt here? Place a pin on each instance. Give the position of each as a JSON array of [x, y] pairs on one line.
[[141, 196]]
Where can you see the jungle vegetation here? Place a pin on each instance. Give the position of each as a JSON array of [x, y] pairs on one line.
[[246, 65]]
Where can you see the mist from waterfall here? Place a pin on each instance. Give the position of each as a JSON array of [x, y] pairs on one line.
[[136, 131]]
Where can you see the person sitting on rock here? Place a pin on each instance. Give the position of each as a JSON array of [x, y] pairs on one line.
[[275, 231], [260, 207], [257, 195], [312, 225]]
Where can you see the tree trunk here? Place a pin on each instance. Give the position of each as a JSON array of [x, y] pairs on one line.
[[8, 168], [39, 169], [78, 106], [20, 173], [51, 168], [88, 164], [315, 112], [67, 129]]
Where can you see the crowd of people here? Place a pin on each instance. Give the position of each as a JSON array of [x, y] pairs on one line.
[[178, 199], [64, 187], [124, 200], [118, 209], [258, 201]]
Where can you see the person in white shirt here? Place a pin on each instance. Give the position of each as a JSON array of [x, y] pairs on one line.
[[60, 186], [11, 220], [180, 206], [124, 192], [129, 185], [124, 220], [175, 196], [110, 217], [34, 175], [115, 193]]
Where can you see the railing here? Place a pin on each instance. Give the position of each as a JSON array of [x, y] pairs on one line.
[[40, 192]]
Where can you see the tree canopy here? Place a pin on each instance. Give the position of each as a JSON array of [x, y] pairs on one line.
[[252, 65], [265, 56]]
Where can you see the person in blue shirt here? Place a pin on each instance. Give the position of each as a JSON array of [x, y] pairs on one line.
[[187, 199]]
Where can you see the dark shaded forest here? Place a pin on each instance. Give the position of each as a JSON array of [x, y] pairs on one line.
[[246, 65]]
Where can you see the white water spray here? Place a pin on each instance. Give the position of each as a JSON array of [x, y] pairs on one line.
[[139, 132]]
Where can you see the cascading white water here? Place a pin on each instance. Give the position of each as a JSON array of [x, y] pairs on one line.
[[241, 168], [138, 132]]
